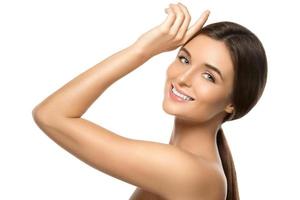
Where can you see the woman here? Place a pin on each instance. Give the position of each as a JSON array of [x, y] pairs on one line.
[[218, 75]]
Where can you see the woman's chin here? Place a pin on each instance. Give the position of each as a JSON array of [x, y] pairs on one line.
[[171, 109]]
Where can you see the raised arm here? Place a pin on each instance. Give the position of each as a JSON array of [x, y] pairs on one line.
[[141, 163], [75, 97], [89, 85]]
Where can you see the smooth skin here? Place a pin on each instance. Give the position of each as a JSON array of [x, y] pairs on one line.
[[165, 171]]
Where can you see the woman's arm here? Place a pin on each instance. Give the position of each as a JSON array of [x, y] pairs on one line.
[[75, 97], [156, 167]]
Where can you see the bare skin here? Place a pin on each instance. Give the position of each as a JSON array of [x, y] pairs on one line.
[[196, 123], [189, 166]]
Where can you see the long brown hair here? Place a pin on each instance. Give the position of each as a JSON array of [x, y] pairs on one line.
[[250, 76]]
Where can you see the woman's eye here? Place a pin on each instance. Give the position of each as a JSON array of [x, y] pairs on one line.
[[210, 77], [182, 57]]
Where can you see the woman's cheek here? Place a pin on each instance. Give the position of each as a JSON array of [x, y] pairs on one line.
[[209, 94], [205, 91], [173, 71]]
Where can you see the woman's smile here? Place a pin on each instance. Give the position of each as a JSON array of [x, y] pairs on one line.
[[177, 96]]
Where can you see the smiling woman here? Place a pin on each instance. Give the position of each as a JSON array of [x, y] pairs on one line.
[[223, 75], [225, 89]]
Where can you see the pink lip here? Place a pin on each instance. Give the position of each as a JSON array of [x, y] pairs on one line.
[[176, 98], [173, 85]]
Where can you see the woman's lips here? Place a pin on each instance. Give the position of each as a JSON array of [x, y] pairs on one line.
[[176, 98], [180, 91]]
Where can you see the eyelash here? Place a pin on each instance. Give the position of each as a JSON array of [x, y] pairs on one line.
[[211, 76]]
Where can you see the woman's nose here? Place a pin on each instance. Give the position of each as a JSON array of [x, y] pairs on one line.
[[186, 77]]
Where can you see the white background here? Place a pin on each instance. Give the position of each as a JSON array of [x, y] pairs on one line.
[[44, 44]]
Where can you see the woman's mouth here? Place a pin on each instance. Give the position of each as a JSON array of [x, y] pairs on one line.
[[178, 96]]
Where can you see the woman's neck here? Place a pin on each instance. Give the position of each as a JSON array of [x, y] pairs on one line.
[[196, 138]]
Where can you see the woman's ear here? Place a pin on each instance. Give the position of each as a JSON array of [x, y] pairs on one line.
[[229, 108]]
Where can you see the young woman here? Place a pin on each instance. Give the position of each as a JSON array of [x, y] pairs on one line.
[[218, 75]]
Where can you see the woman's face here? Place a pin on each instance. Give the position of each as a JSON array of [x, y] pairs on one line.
[[191, 74]]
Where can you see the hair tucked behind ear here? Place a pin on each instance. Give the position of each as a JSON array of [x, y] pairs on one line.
[[250, 76]]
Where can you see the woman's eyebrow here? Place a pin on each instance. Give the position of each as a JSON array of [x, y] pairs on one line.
[[215, 69], [205, 64], [185, 50]]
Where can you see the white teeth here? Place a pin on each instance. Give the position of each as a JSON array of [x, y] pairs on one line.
[[187, 98]]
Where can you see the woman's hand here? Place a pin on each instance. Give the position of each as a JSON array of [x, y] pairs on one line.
[[172, 33]]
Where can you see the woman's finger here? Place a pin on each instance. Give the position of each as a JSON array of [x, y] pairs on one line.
[[197, 25], [186, 22], [179, 19], [167, 24]]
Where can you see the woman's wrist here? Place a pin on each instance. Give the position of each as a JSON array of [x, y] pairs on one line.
[[140, 51]]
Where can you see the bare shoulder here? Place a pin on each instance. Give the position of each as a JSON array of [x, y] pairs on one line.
[[156, 167], [205, 181], [208, 181]]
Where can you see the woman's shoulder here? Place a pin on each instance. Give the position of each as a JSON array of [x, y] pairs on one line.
[[209, 182], [218, 180], [212, 180]]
